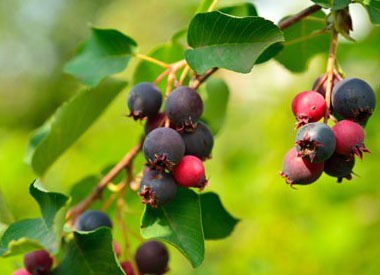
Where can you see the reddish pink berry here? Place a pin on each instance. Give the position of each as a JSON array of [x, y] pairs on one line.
[[38, 262], [349, 138], [117, 248], [297, 170], [190, 172], [128, 268], [308, 107], [21, 272]]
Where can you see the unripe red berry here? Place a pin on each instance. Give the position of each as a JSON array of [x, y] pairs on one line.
[[190, 172], [116, 248], [128, 268], [308, 107], [21, 272], [349, 138], [38, 262]]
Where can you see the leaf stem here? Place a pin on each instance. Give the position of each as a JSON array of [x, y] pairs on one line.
[[212, 6], [302, 14], [152, 60]]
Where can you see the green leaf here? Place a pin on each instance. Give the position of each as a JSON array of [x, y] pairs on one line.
[[243, 9], [373, 9], [215, 95], [217, 43], [301, 44], [89, 253], [104, 53], [169, 52], [217, 222], [31, 234], [270, 52], [179, 223], [69, 122], [333, 4]]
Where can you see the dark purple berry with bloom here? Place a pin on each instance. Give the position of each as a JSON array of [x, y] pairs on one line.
[[38, 262], [91, 220], [152, 257], [200, 142], [144, 100], [340, 166]]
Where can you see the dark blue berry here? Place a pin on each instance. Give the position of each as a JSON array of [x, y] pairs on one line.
[[152, 257], [315, 142], [184, 108], [353, 99], [144, 100], [200, 142], [163, 148], [91, 220], [339, 166], [157, 188]]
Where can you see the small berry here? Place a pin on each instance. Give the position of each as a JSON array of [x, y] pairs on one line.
[[340, 166], [308, 107], [200, 142], [128, 268], [116, 248], [154, 122], [91, 220], [157, 188], [349, 138], [184, 108], [353, 99], [38, 262], [297, 170], [21, 272], [315, 142], [323, 88], [144, 100], [190, 172], [163, 148], [152, 257]]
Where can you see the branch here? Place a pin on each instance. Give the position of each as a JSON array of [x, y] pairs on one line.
[[330, 73], [202, 78]]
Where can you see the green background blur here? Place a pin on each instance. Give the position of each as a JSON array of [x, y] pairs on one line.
[[324, 228]]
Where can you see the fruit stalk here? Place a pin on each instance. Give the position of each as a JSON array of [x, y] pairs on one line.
[[330, 73]]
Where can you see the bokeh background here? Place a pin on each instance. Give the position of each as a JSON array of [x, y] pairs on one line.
[[324, 228]]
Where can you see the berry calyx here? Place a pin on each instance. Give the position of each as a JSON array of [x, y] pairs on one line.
[[128, 268], [91, 220], [157, 188], [297, 170], [21, 272], [184, 108], [340, 166], [190, 172], [315, 142], [163, 148], [308, 106], [322, 89], [200, 142], [349, 138], [144, 100], [38, 262], [116, 248], [152, 257]]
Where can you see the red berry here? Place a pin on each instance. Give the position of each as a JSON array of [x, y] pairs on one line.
[[349, 138], [308, 107], [38, 262], [21, 272], [190, 172], [117, 248], [297, 170], [128, 268]]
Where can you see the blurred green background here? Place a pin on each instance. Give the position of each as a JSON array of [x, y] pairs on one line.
[[324, 228]]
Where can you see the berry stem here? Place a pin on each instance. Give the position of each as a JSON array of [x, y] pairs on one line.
[[330, 73], [184, 74], [152, 60]]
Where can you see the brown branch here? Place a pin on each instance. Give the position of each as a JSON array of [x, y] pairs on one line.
[[330, 73], [202, 78], [96, 193]]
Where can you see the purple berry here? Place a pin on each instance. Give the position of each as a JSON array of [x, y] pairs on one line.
[[144, 100], [152, 257], [340, 166], [91, 220], [38, 262], [200, 142]]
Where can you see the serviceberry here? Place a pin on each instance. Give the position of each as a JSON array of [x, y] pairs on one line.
[[323, 88], [184, 108], [91, 220], [315, 142], [308, 107], [190, 172], [21, 272], [38, 262], [154, 122], [128, 268], [297, 170], [152, 257], [157, 188], [353, 99], [349, 138], [200, 142], [163, 148], [339, 166], [144, 100]]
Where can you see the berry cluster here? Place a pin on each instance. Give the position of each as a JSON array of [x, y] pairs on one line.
[[176, 142], [319, 148]]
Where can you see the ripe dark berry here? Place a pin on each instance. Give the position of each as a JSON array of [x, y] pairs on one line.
[[353, 99], [322, 89], [144, 100], [163, 148], [200, 142], [184, 108], [152, 257], [91, 220], [38, 262], [21, 272], [349, 138], [308, 107], [190, 172], [116, 248], [297, 170], [315, 142], [157, 188], [128, 268], [340, 166], [154, 122]]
